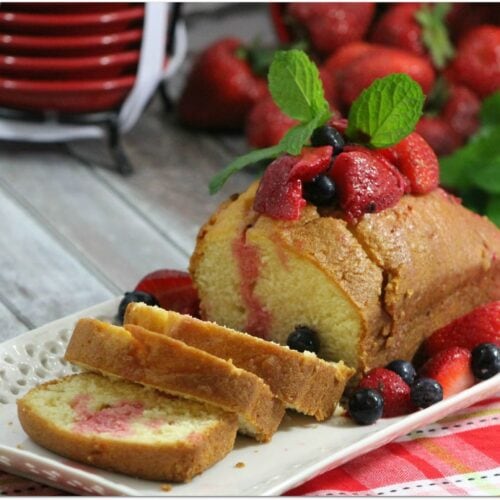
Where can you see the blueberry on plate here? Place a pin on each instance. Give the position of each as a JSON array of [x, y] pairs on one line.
[[404, 369], [426, 392], [303, 339], [134, 296], [485, 361], [366, 406]]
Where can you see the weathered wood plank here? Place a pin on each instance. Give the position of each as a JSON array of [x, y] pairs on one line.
[[10, 325], [38, 276], [173, 169], [102, 229]]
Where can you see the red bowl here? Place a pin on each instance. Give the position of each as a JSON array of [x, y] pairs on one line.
[[47, 46], [74, 24], [65, 96], [64, 7], [68, 68]]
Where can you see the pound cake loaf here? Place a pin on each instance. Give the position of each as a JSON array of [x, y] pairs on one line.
[[171, 366], [372, 290], [127, 428], [303, 382]]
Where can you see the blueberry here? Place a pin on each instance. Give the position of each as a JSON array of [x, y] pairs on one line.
[[134, 296], [328, 136], [425, 392], [366, 406], [303, 339], [320, 191], [485, 361], [404, 369]]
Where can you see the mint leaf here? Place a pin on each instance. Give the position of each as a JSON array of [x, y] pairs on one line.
[[295, 85], [386, 112], [435, 36], [243, 161]]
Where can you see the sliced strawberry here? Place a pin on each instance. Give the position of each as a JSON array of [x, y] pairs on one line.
[[280, 190], [480, 326], [366, 184], [172, 289], [452, 369], [394, 390], [417, 161]]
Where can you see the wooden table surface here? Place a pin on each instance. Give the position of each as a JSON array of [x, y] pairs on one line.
[[74, 233]]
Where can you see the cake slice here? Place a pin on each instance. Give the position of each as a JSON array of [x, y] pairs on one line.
[[127, 428], [171, 366], [302, 381]]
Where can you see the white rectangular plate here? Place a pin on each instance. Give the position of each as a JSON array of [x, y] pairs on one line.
[[300, 450]]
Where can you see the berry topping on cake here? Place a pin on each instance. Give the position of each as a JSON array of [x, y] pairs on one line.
[[394, 390], [417, 161], [366, 406], [320, 191], [366, 184], [479, 326], [303, 339], [404, 369], [452, 369], [485, 361], [280, 190], [328, 136], [172, 289], [426, 392]]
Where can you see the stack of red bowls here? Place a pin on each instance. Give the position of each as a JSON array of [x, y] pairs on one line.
[[68, 58]]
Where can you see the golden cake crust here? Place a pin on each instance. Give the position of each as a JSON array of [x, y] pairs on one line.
[[303, 382], [171, 366], [176, 462]]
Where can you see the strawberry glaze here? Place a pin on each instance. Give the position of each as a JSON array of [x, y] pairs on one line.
[[248, 262], [115, 419]]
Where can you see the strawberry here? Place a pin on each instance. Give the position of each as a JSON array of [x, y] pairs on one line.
[[452, 369], [438, 134], [482, 325], [465, 16], [461, 111], [417, 161], [394, 390], [221, 88], [266, 124], [399, 28], [329, 25], [477, 64], [280, 190], [172, 289], [365, 183], [361, 72]]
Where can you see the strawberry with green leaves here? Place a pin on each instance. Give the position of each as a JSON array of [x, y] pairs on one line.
[[417, 28], [372, 159]]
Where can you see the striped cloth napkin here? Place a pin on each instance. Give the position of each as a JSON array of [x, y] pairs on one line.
[[458, 456]]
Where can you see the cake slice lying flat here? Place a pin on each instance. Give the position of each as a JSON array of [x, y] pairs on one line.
[[127, 428], [171, 366], [302, 381]]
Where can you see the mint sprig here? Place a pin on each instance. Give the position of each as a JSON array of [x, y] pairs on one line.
[[297, 89], [432, 19], [473, 171], [386, 112]]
